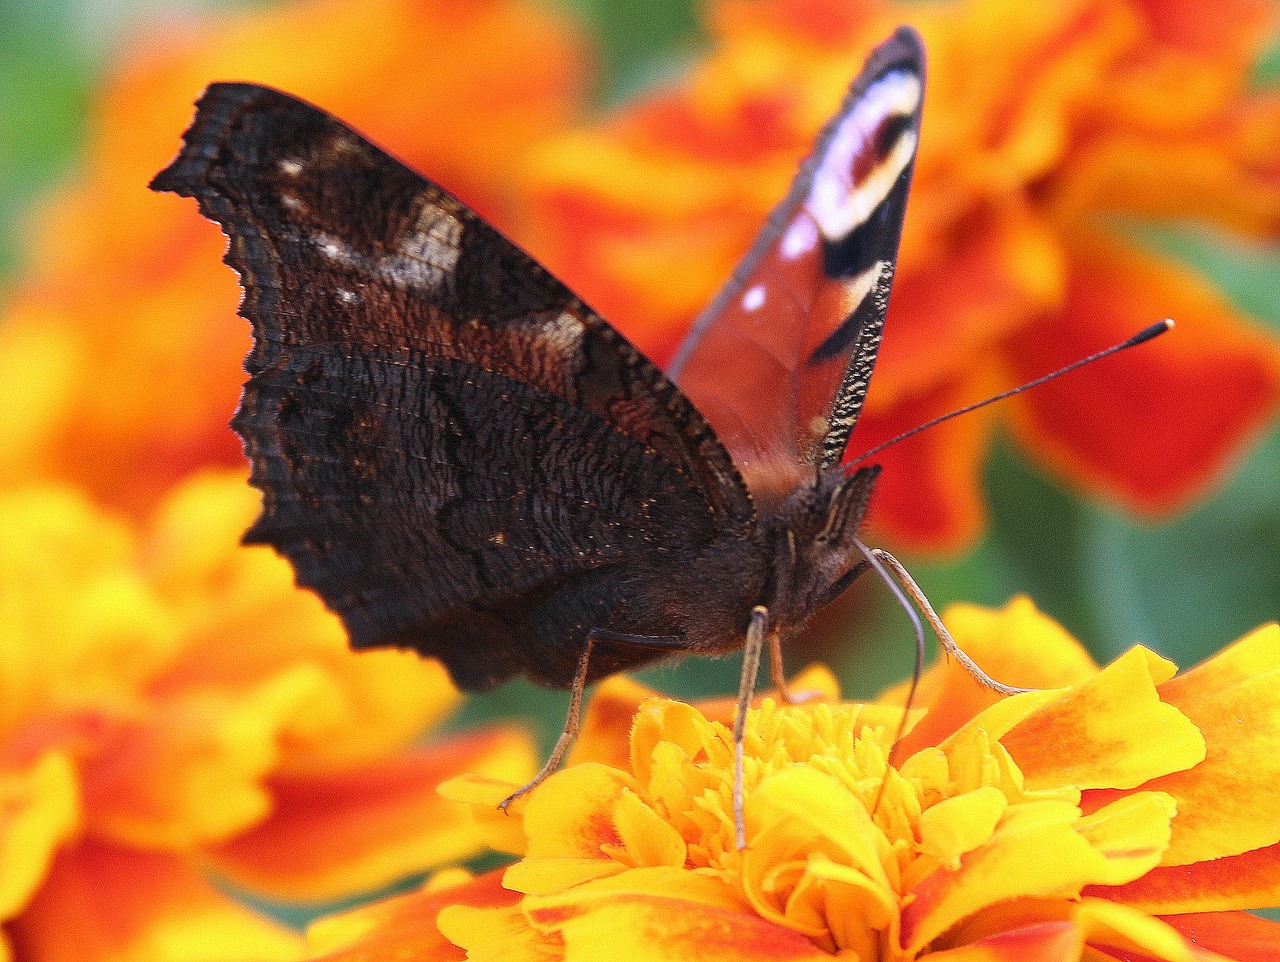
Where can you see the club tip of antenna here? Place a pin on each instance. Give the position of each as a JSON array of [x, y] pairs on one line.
[[1146, 334]]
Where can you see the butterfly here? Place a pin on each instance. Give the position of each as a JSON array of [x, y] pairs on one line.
[[461, 458]]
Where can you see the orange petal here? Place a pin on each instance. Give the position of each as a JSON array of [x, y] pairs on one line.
[[1236, 935], [404, 927], [1234, 699], [1113, 731], [1046, 942], [103, 902], [928, 497], [354, 830], [1037, 851], [1247, 881], [1156, 425], [1126, 933]]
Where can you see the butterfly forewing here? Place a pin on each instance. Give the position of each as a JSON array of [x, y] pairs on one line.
[[780, 362], [455, 452]]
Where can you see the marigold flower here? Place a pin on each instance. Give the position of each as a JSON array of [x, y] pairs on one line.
[[1045, 128], [1113, 815], [127, 300], [170, 703]]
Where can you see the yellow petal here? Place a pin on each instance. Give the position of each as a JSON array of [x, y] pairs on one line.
[[1132, 833], [957, 825], [646, 838], [570, 815], [39, 810], [1128, 929]]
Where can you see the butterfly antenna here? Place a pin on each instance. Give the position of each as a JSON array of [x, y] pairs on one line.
[[872, 557], [1155, 330]]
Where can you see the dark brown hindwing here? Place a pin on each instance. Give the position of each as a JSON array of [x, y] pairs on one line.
[[455, 452]]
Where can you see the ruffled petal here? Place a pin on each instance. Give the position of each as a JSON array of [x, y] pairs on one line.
[[103, 903], [1234, 699], [1017, 645], [1037, 851], [1124, 932], [1113, 731], [363, 828]]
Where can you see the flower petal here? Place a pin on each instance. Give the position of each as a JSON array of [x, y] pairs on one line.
[[1046, 942], [39, 810], [1234, 699], [1237, 935], [103, 903], [662, 914], [1155, 425], [359, 829], [1036, 852], [605, 736], [1017, 645], [404, 927], [571, 813], [1113, 731], [1243, 881]]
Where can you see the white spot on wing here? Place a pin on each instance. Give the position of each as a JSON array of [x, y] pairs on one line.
[[348, 297], [336, 250], [291, 201], [837, 203], [428, 252], [753, 300], [563, 333], [290, 167], [857, 288], [800, 238]]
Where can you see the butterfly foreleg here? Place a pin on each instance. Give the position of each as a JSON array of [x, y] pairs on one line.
[[751, 652], [944, 637], [573, 720]]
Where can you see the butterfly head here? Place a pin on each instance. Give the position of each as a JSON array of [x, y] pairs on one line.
[[815, 533]]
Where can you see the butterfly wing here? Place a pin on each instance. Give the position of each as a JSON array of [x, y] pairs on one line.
[[455, 453], [800, 321]]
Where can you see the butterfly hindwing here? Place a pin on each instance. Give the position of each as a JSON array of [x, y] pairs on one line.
[[454, 451], [804, 312]]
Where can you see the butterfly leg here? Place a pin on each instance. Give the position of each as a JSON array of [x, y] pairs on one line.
[[571, 724], [573, 720], [746, 688], [778, 673], [944, 637]]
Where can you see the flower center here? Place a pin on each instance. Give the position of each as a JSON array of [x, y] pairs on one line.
[[836, 837]]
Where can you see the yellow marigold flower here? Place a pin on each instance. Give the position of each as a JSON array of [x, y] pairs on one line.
[[126, 300], [1089, 820], [171, 703], [1046, 127]]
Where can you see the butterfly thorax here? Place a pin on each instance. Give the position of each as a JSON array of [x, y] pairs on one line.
[[814, 537]]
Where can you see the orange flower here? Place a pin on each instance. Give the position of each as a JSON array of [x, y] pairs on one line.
[[1115, 815], [169, 702], [123, 347], [1045, 128]]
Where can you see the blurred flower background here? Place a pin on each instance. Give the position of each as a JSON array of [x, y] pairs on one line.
[[1086, 169]]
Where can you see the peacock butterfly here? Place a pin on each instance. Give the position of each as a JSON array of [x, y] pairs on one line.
[[462, 458]]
